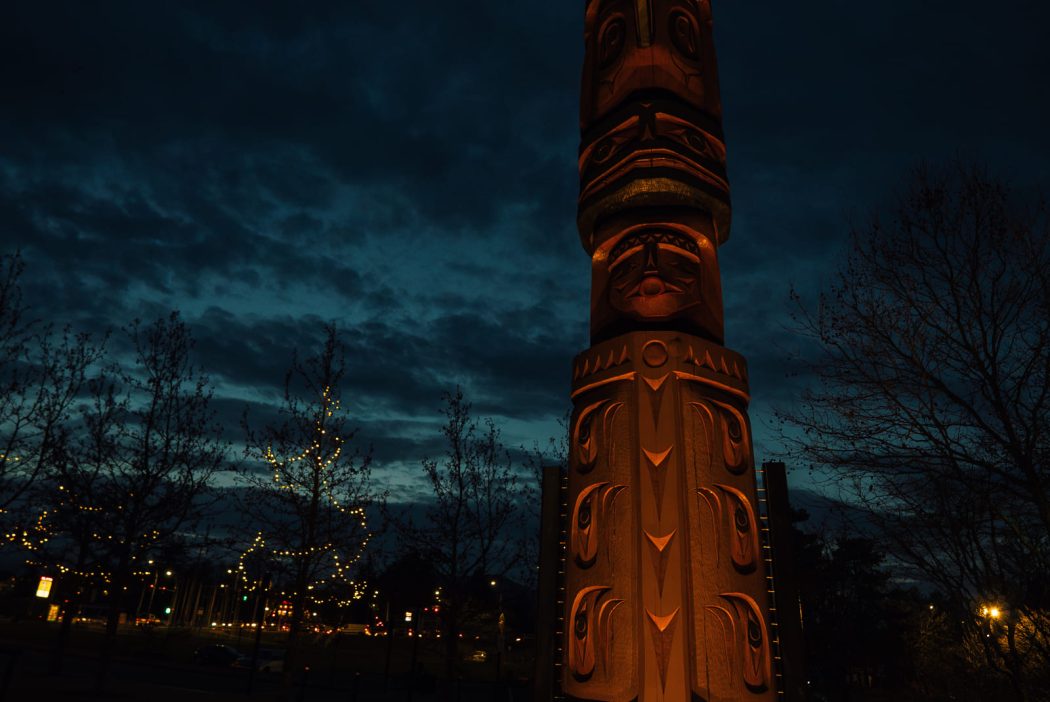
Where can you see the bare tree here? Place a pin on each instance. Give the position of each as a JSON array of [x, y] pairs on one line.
[[466, 531], [311, 503], [70, 537], [142, 459], [41, 372], [932, 402]]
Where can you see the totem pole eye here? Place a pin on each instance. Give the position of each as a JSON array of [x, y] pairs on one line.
[[584, 518], [603, 152], [611, 40], [698, 143], [684, 34], [754, 633], [733, 426], [580, 625], [743, 524]]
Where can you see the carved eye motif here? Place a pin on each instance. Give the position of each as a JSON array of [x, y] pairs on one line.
[[584, 518], [585, 432], [754, 653], [611, 40], [743, 538], [743, 524], [610, 144], [586, 445], [684, 34], [736, 448], [693, 139], [733, 427], [590, 621], [580, 625], [603, 152], [698, 143], [590, 519], [754, 631]]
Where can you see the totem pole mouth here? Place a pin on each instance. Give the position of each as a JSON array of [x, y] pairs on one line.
[[664, 160], [654, 286], [667, 303]]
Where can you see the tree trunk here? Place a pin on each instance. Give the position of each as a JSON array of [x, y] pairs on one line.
[[451, 636], [63, 635], [120, 579], [1014, 663], [291, 657], [69, 612]]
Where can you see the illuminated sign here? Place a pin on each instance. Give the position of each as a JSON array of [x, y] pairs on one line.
[[408, 616], [43, 588]]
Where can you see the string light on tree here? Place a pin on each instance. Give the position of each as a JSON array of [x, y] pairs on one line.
[[315, 486]]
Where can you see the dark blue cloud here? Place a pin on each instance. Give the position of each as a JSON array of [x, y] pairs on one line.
[[408, 170]]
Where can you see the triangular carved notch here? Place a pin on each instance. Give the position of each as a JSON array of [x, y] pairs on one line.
[[660, 554], [662, 630]]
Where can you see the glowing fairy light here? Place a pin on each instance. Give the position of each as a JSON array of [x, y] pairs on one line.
[[331, 563]]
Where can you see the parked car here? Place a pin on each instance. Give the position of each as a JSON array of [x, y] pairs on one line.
[[220, 656]]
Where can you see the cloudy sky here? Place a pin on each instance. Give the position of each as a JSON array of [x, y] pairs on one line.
[[407, 169]]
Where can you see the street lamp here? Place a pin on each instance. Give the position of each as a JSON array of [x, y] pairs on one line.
[[501, 623], [991, 613], [174, 599]]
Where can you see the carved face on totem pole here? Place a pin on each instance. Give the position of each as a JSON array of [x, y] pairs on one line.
[[650, 113], [656, 276], [652, 151], [650, 45]]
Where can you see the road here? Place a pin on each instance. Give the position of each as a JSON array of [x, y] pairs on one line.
[[155, 681]]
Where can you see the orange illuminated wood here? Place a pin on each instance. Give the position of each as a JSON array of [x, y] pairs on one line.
[[666, 597]]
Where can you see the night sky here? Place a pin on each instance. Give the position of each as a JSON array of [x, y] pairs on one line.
[[408, 169]]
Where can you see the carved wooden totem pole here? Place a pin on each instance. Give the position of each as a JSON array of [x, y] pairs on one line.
[[665, 585]]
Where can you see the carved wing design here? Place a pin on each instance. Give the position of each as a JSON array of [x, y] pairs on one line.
[[753, 645], [743, 533], [590, 515], [736, 445], [590, 630], [585, 440]]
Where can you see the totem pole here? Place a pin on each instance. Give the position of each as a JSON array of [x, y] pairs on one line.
[[666, 596]]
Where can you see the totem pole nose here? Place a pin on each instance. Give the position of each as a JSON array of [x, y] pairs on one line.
[[652, 286], [652, 259]]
